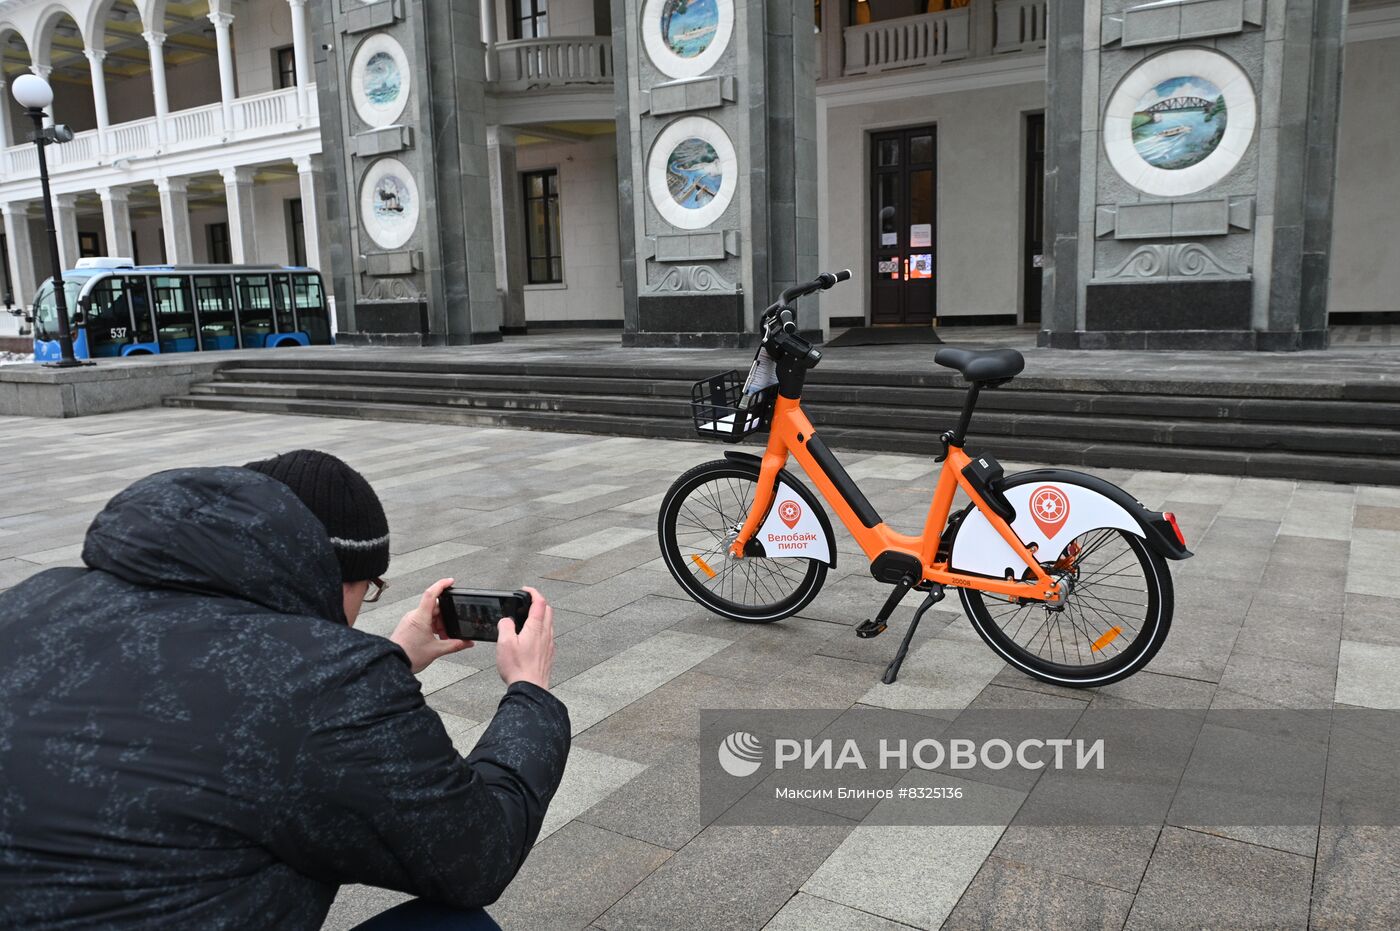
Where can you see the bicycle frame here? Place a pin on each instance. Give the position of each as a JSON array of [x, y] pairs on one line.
[[789, 436]]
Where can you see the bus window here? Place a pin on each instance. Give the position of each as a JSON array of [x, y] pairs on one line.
[[174, 313], [140, 310], [108, 318], [254, 309], [311, 308], [213, 302], [286, 315], [46, 311]]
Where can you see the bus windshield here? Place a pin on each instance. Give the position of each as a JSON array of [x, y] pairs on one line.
[[46, 309]]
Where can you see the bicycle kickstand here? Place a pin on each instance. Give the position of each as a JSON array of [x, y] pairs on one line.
[[935, 595]]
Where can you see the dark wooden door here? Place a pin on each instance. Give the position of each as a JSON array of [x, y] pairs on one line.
[[903, 225], [1034, 249]]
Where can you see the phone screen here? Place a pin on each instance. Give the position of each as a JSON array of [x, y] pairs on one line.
[[470, 615]]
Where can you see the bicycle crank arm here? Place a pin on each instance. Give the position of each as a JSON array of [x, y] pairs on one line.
[[878, 626]]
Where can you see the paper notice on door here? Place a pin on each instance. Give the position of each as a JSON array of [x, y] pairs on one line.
[[889, 239], [920, 234]]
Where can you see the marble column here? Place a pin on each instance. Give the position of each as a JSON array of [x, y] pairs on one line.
[[21, 252], [508, 230], [99, 93], [301, 51], [227, 85], [242, 230], [155, 43], [116, 220], [310, 225], [65, 214], [44, 71], [175, 218], [488, 29]]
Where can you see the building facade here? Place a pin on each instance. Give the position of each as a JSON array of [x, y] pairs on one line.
[[663, 167]]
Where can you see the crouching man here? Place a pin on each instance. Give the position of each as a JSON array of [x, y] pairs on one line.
[[192, 734]]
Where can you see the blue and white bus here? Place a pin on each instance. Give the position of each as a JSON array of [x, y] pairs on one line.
[[120, 309]]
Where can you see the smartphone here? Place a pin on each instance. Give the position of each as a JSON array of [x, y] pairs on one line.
[[471, 614]]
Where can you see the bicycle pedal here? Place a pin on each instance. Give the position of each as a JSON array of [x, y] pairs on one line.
[[870, 629]]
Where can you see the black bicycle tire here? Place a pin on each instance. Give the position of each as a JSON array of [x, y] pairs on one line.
[[807, 589], [1161, 603]]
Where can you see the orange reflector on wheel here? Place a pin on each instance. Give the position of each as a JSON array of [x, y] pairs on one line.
[[704, 566], [1106, 639], [1176, 528]]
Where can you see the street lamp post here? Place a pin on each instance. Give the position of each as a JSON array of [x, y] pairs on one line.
[[34, 94]]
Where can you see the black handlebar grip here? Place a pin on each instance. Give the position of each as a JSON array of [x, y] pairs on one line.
[[785, 319], [843, 275]]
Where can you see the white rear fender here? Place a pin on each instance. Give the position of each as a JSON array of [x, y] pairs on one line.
[[1053, 506]]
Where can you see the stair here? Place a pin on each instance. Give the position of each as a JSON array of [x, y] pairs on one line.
[[1093, 423]]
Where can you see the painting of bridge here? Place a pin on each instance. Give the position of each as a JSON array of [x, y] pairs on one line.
[[1179, 122]]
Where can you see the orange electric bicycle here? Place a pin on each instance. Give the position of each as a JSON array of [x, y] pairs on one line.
[[1063, 574]]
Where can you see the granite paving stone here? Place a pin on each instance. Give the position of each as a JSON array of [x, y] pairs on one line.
[[1288, 603]]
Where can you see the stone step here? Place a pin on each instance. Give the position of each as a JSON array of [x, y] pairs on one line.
[[1154, 407], [1272, 463], [1150, 427]]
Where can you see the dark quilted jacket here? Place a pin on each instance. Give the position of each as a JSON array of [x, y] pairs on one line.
[[190, 736]]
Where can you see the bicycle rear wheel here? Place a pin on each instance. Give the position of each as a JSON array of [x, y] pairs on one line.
[[1115, 617], [700, 516]]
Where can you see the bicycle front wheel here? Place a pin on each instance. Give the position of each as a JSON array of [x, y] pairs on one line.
[[1114, 620], [700, 516]]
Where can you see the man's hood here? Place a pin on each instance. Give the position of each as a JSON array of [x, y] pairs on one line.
[[223, 531]]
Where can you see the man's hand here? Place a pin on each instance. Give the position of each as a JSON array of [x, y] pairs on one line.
[[529, 655], [421, 634]]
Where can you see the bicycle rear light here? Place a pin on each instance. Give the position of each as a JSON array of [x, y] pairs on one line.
[[1176, 528]]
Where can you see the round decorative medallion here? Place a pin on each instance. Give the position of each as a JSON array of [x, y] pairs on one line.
[[379, 80], [1180, 121], [692, 172], [388, 203], [684, 38]]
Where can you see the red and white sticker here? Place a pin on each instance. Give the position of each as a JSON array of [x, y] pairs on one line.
[[793, 529], [1049, 509]]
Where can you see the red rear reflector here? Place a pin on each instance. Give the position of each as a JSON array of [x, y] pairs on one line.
[[1171, 519]]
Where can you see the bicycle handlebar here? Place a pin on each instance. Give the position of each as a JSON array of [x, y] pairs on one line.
[[822, 282]]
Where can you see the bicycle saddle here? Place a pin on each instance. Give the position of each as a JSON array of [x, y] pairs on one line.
[[982, 364]]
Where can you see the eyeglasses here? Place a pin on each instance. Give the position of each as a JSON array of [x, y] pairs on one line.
[[376, 588]]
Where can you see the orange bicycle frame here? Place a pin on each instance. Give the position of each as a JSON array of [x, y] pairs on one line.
[[789, 435]]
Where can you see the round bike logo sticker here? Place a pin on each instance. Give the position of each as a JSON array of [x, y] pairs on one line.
[[1049, 509], [790, 512], [740, 754]]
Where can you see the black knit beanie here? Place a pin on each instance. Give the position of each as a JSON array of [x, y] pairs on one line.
[[343, 501]]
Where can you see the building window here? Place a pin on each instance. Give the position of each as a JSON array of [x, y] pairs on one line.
[[220, 248], [529, 19], [284, 61], [296, 232], [89, 245], [9, 297], [544, 257]]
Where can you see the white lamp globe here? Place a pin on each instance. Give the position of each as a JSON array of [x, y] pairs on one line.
[[32, 92]]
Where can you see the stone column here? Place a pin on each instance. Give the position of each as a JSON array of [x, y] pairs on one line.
[[301, 51], [5, 134], [175, 219], [65, 214], [44, 71], [227, 86], [21, 252], [424, 274], [1223, 243], [310, 222], [703, 254], [238, 193], [509, 227], [155, 43], [488, 28], [99, 93], [116, 220]]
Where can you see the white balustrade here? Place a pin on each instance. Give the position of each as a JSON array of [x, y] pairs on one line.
[[1020, 25], [527, 63], [255, 117], [907, 41]]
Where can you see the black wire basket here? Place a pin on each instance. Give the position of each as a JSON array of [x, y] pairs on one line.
[[722, 410]]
